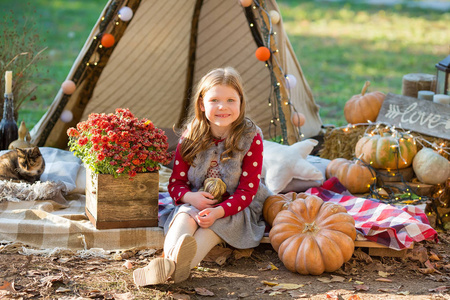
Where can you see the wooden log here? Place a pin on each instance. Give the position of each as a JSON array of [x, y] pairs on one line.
[[415, 82]]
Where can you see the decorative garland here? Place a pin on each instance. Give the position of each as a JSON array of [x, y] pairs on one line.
[[263, 33], [89, 71]]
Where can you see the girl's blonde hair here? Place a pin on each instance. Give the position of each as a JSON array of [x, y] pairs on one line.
[[198, 136]]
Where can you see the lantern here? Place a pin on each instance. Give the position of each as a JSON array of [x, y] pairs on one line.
[[442, 76]]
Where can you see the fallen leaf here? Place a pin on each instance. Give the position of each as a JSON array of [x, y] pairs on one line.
[[384, 274], [92, 293], [33, 273], [324, 279], [360, 255], [127, 264], [404, 293], [427, 271], [288, 286], [335, 278], [434, 256], [64, 259], [418, 253], [388, 290], [127, 254], [203, 292], [240, 253], [429, 265], [108, 296], [354, 297], [117, 256], [272, 267], [383, 280], [332, 295], [298, 294], [359, 282], [123, 296], [8, 286], [361, 287], [216, 252], [181, 296], [269, 283], [275, 293], [440, 289], [221, 260], [62, 289], [49, 280]]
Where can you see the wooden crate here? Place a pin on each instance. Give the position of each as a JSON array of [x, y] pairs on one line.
[[374, 249], [386, 176], [121, 202]]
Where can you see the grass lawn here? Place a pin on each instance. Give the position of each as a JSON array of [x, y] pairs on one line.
[[339, 45]]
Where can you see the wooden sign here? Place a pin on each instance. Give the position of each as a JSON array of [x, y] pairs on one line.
[[417, 115]]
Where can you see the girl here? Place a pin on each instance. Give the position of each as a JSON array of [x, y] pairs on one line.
[[219, 142]]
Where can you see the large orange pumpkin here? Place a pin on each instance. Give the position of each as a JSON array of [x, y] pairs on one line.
[[313, 236], [363, 107], [386, 151], [276, 203], [354, 175]]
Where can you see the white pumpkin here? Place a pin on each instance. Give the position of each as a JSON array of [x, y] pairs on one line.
[[431, 167]]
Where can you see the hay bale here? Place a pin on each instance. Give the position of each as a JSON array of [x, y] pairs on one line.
[[341, 142]]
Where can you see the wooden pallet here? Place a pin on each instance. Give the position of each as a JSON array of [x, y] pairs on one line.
[[374, 249]]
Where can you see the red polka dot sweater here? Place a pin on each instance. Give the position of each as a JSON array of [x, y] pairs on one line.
[[248, 182]]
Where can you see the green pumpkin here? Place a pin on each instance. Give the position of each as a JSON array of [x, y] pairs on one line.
[[385, 151]]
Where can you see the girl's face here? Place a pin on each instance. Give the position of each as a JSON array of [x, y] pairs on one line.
[[222, 106]]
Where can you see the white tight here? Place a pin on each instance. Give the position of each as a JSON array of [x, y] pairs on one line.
[[206, 238]]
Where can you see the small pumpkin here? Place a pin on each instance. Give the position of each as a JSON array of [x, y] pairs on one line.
[[216, 187], [430, 167], [276, 203], [313, 236], [354, 175], [363, 107], [385, 151]]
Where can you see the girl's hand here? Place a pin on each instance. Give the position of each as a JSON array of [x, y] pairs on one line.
[[199, 200], [208, 216]]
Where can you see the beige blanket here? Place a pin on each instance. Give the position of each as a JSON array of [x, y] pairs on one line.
[[46, 224]]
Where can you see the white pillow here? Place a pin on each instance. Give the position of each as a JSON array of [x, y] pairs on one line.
[[282, 163], [60, 165]]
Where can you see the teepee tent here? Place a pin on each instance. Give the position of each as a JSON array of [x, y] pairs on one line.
[[159, 55]]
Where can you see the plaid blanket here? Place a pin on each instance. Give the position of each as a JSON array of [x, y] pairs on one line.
[[47, 224], [394, 226], [61, 223]]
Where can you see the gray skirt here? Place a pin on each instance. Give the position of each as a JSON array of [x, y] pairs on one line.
[[242, 231]]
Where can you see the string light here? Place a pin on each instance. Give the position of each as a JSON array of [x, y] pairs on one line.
[[278, 110]]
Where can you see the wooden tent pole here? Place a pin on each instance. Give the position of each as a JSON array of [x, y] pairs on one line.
[[292, 136], [184, 114]]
